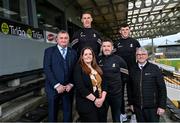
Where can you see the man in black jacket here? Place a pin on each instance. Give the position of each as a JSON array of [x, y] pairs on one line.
[[146, 89], [114, 72], [87, 36], [126, 48]]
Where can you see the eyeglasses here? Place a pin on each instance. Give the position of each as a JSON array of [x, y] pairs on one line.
[[141, 54]]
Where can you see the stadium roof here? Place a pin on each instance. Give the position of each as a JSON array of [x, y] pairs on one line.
[[147, 18]]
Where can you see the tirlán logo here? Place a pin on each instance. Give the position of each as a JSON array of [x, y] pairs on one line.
[[5, 28]]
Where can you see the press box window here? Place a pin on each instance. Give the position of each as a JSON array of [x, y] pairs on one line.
[[50, 18], [14, 10]]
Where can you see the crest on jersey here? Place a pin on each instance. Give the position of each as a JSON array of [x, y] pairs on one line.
[[113, 65], [94, 35], [131, 45]]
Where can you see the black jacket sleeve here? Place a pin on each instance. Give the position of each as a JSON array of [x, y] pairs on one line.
[[104, 84], [161, 89], [74, 61], [47, 66], [75, 41], [124, 70], [130, 88], [79, 82]]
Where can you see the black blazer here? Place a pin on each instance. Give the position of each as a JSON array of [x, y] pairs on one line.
[[84, 87]]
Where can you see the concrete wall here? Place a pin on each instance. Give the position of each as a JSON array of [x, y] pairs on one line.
[[18, 54]]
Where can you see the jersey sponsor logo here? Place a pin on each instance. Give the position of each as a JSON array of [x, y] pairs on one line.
[[82, 35], [147, 74], [119, 45]]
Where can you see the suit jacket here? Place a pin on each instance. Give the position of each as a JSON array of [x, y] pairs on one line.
[[84, 87], [54, 67]]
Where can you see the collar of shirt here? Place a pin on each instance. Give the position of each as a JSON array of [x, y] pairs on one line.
[[60, 49], [142, 65]]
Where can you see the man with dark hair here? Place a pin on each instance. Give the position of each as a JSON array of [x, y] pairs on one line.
[[147, 91], [114, 72], [87, 36], [126, 48]]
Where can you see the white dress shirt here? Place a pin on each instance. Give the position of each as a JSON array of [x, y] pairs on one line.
[[142, 65]]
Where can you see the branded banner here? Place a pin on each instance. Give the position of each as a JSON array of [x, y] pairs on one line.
[[51, 37], [14, 28]]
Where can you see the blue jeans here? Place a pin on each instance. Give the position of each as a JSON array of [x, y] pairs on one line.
[[115, 103]]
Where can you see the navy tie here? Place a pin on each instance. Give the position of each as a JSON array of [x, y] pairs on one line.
[[63, 52], [65, 61]]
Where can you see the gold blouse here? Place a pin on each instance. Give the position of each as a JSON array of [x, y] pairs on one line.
[[96, 82]]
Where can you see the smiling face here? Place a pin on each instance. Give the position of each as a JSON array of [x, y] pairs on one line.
[[87, 56], [86, 20], [141, 56], [63, 39], [107, 48]]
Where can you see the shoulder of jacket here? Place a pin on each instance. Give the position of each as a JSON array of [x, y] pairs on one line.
[[119, 41], [117, 57], [78, 31], [78, 67], [99, 57], [135, 66], [133, 39], [133, 69], [50, 48], [116, 42], [95, 31], [154, 66], [71, 50]]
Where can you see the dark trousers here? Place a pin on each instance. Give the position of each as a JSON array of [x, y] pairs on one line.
[[89, 116], [115, 103], [54, 106], [123, 101], [146, 114]]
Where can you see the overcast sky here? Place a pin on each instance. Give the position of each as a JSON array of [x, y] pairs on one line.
[[162, 40]]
